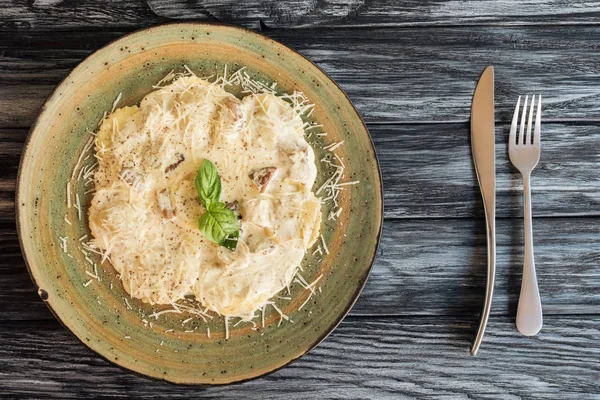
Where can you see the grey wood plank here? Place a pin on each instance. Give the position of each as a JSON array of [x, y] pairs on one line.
[[428, 172], [49, 14], [415, 74], [424, 267], [360, 13], [438, 267], [62, 15], [364, 358], [11, 146]]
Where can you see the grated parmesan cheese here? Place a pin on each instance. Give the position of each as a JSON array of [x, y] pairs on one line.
[[63, 243], [92, 275], [330, 190], [126, 303], [324, 245], [69, 194], [114, 106]]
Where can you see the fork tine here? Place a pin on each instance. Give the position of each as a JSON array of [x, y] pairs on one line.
[[513, 126], [538, 121], [521, 139], [531, 107]]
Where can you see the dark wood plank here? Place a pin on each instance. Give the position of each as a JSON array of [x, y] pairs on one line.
[[49, 14], [393, 75], [438, 267], [424, 267], [363, 358], [67, 15], [11, 145], [359, 13], [428, 171]]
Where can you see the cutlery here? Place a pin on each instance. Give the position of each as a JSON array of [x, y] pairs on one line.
[[484, 158], [524, 153]]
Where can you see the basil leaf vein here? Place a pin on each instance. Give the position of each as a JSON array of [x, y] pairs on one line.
[[208, 184], [219, 223]]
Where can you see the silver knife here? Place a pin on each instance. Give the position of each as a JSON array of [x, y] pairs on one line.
[[484, 157]]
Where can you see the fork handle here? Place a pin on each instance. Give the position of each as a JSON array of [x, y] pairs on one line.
[[529, 311]]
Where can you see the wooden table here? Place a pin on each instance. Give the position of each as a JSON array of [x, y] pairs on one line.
[[410, 67]]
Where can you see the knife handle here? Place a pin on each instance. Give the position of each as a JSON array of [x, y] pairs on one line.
[[489, 286]]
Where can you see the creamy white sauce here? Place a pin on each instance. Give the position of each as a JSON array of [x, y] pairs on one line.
[[145, 211]]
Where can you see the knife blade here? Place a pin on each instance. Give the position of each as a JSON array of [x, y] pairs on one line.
[[484, 158]]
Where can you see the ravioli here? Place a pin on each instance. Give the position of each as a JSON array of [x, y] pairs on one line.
[[144, 213]]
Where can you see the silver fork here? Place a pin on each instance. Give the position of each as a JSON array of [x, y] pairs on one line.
[[525, 154]]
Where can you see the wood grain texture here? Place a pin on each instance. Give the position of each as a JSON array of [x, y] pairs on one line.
[[375, 358], [424, 267], [414, 74], [61, 15], [428, 171], [50, 14], [11, 145], [410, 67], [369, 13]]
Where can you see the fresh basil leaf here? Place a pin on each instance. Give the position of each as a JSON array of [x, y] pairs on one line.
[[231, 241], [209, 228], [226, 218], [220, 225], [208, 184]]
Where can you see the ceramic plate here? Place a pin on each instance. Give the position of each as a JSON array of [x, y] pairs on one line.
[[99, 312]]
